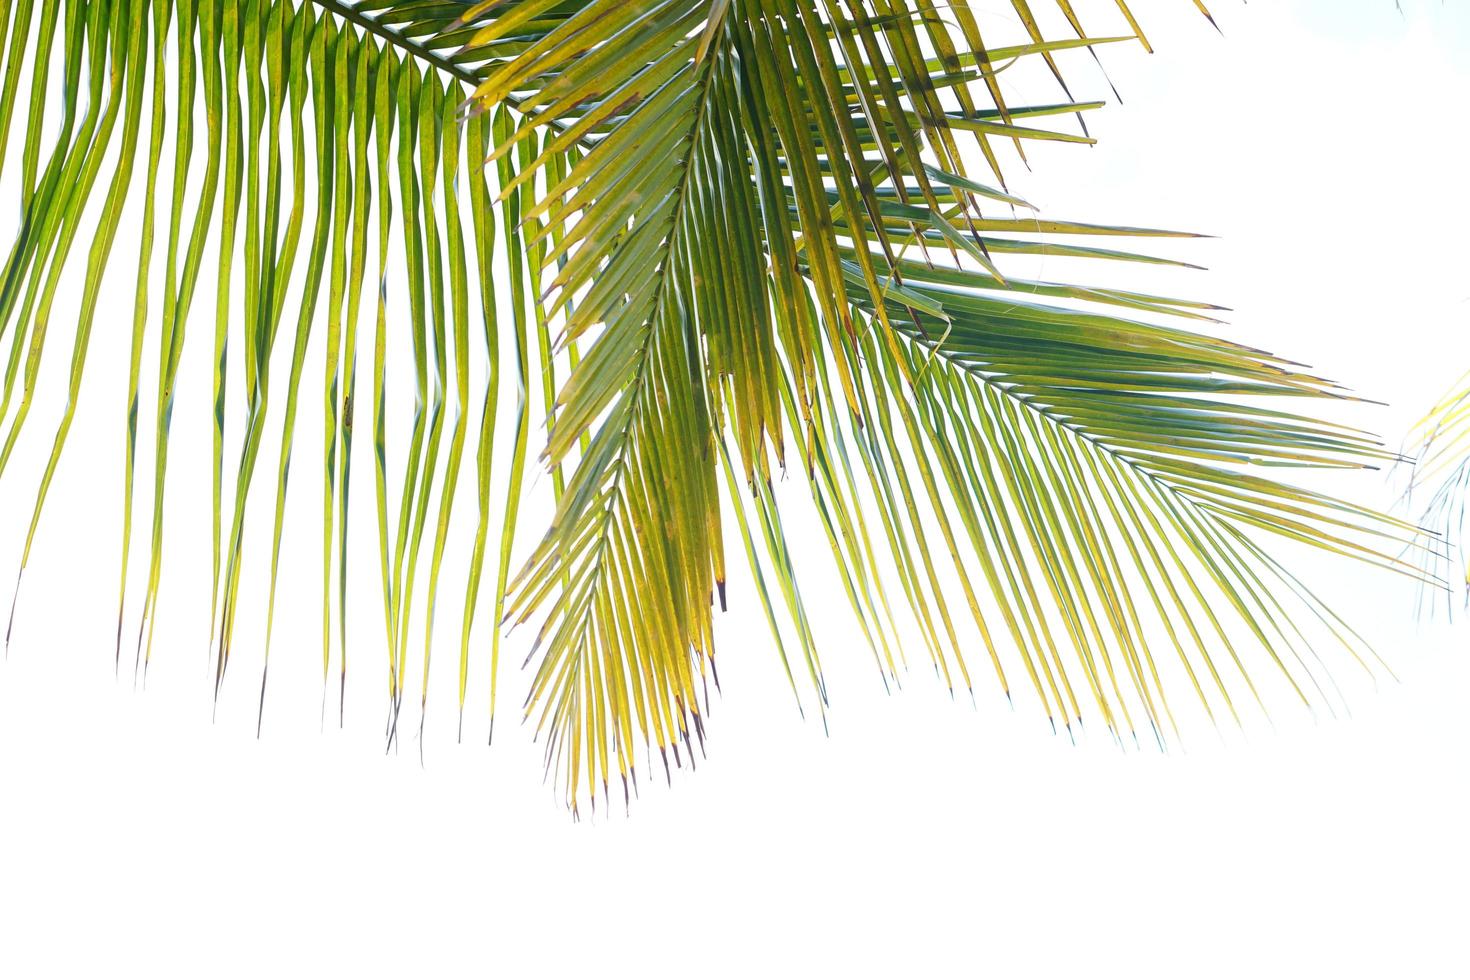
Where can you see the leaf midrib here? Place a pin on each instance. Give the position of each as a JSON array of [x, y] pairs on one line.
[[1128, 461], [390, 36], [675, 223]]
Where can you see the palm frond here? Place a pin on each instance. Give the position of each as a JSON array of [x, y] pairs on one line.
[[1439, 444], [1087, 471], [314, 116], [737, 237]]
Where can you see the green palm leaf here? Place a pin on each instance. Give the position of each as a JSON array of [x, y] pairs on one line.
[[742, 237], [1440, 442]]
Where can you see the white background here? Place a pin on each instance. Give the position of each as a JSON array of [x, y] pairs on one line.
[[1323, 141]]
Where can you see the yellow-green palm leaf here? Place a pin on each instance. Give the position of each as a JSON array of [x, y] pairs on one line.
[[725, 240]]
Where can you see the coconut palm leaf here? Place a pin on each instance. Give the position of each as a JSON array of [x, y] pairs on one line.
[[1437, 485], [315, 116], [1068, 454], [742, 238]]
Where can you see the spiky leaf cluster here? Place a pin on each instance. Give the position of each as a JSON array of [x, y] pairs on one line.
[[742, 239]]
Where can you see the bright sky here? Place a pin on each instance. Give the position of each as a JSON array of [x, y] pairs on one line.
[[1323, 142]]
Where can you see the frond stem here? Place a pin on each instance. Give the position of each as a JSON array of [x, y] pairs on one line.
[[389, 36], [637, 384]]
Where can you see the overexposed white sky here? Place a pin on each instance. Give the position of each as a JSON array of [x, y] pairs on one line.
[[1323, 143]]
